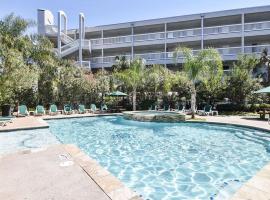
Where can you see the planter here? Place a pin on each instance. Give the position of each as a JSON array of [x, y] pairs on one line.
[[6, 110]]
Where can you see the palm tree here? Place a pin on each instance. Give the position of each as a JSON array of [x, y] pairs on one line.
[[133, 77], [203, 66], [265, 59]]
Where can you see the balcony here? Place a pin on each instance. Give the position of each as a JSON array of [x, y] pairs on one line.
[[230, 53], [186, 34]]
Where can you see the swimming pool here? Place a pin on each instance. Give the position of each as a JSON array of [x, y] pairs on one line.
[[169, 160]]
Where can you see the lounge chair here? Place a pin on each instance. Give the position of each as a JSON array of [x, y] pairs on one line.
[[152, 107], [39, 110], [22, 111], [103, 108], [67, 109], [53, 110], [207, 110], [81, 109], [93, 108], [180, 108]]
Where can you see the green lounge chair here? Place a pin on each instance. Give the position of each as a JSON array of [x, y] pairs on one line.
[[93, 108], [40, 110], [53, 110], [207, 110], [153, 107], [67, 109], [22, 111], [103, 108], [180, 108], [82, 109]]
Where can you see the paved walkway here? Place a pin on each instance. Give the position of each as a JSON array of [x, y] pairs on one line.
[[60, 172]]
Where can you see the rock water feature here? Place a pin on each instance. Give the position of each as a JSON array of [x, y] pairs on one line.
[[155, 116]]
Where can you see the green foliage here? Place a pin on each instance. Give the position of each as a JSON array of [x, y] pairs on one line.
[[240, 83]]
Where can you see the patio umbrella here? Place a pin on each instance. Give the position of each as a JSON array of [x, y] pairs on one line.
[[264, 90], [117, 94]]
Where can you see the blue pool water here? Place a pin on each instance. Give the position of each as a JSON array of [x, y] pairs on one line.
[[169, 160]]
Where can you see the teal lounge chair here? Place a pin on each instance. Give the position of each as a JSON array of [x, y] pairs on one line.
[[39, 110], [53, 110], [82, 109], [22, 111], [152, 108], [93, 108], [207, 110], [67, 109], [103, 108], [180, 108]]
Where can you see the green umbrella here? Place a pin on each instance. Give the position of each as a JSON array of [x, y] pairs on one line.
[[117, 94], [264, 90]]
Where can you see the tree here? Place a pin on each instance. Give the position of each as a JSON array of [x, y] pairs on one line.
[[265, 60], [133, 77], [241, 83], [203, 66]]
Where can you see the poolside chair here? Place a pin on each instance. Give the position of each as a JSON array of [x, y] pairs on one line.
[[22, 111], [40, 110], [93, 108], [53, 110], [167, 108], [103, 108], [152, 107], [81, 109], [207, 110], [67, 109], [180, 108]]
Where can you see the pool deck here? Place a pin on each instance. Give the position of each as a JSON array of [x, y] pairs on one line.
[[86, 179], [59, 172]]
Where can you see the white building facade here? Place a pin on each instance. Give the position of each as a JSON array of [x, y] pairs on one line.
[[231, 32]]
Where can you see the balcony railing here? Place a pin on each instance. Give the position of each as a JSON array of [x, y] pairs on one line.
[[168, 57], [185, 33]]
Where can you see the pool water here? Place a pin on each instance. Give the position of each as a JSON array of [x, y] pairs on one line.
[[26, 139], [169, 160]]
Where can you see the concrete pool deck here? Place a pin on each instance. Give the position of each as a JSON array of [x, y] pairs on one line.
[[29, 166], [59, 172]]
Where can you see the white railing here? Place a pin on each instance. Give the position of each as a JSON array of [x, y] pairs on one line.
[[257, 26], [71, 45], [235, 28], [149, 37], [169, 56], [117, 40], [215, 30]]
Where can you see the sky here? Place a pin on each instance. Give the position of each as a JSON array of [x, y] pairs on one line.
[[101, 12]]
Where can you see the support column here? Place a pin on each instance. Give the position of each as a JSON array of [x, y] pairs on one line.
[[165, 45], [132, 41], [243, 33], [61, 14], [81, 37], [59, 33], [102, 49], [202, 32]]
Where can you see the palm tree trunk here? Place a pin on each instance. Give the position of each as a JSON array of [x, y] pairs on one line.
[[193, 102], [134, 99]]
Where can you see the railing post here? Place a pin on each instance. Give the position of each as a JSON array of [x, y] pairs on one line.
[[243, 33], [102, 49], [81, 36], [132, 41], [202, 31], [165, 45]]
